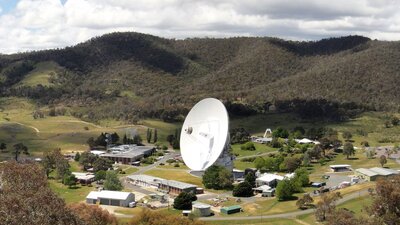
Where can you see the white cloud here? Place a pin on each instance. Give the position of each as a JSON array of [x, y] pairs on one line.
[[40, 24]]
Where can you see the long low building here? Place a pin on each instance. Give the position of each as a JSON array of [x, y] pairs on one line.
[[127, 154], [114, 198], [374, 173], [170, 186]]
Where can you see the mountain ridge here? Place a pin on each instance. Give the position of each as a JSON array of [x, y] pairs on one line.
[[135, 75]]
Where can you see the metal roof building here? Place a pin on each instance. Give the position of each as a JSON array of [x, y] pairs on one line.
[[171, 186], [374, 173], [115, 198], [127, 154]]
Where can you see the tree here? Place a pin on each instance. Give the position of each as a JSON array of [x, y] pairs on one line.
[[239, 135], [170, 138], [3, 146], [347, 135], [285, 189], [92, 214], [348, 149], [114, 138], [280, 133], [137, 139], [304, 202], [259, 163], [102, 164], [27, 199], [91, 142], [155, 136], [248, 146], [77, 156], [112, 182], [302, 176], [125, 140], [100, 175], [87, 159], [386, 201], [184, 201], [292, 163], [20, 148], [326, 205], [69, 180], [306, 159], [217, 177], [175, 144], [61, 164], [250, 177], [148, 135], [382, 160], [395, 120], [243, 189]]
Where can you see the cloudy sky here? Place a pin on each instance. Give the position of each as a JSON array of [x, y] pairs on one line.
[[41, 24]]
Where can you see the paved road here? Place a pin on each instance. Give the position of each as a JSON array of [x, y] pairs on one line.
[[286, 215], [143, 169]]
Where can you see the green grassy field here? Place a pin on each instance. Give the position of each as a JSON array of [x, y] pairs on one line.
[[260, 149], [40, 74], [70, 195]]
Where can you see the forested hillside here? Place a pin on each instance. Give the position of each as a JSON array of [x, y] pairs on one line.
[[127, 76]]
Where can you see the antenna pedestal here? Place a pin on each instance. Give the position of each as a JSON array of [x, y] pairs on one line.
[[226, 158]]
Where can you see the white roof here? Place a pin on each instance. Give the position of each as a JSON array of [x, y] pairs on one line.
[[263, 188], [366, 172], [268, 177], [290, 175], [339, 166], [200, 205], [83, 176], [384, 171], [119, 195], [305, 141], [97, 152]]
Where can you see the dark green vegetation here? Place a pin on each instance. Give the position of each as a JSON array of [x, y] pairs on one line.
[[217, 177], [128, 76], [184, 201]]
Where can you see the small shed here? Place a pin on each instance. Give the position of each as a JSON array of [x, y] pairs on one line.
[[201, 209], [231, 209], [186, 212], [340, 168]]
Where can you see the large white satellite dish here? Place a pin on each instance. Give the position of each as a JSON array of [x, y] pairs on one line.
[[204, 136]]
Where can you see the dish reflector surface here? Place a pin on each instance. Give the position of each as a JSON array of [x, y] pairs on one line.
[[204, 134]]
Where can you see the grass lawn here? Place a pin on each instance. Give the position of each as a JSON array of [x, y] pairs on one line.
[[182, 176], [260, 149], [163, 129], [127, 169], [72, 195], [40, 74], [355, 205]]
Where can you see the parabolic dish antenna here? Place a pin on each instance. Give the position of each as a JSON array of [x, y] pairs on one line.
[[204, 135]]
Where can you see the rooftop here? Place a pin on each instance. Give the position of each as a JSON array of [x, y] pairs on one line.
[[201, 205], [268, 177], [83, 176], [339, 166], [366, 172], [177, 184], [232, 207], [377, 171], [127, 151], [145, 178], [119, 195]]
